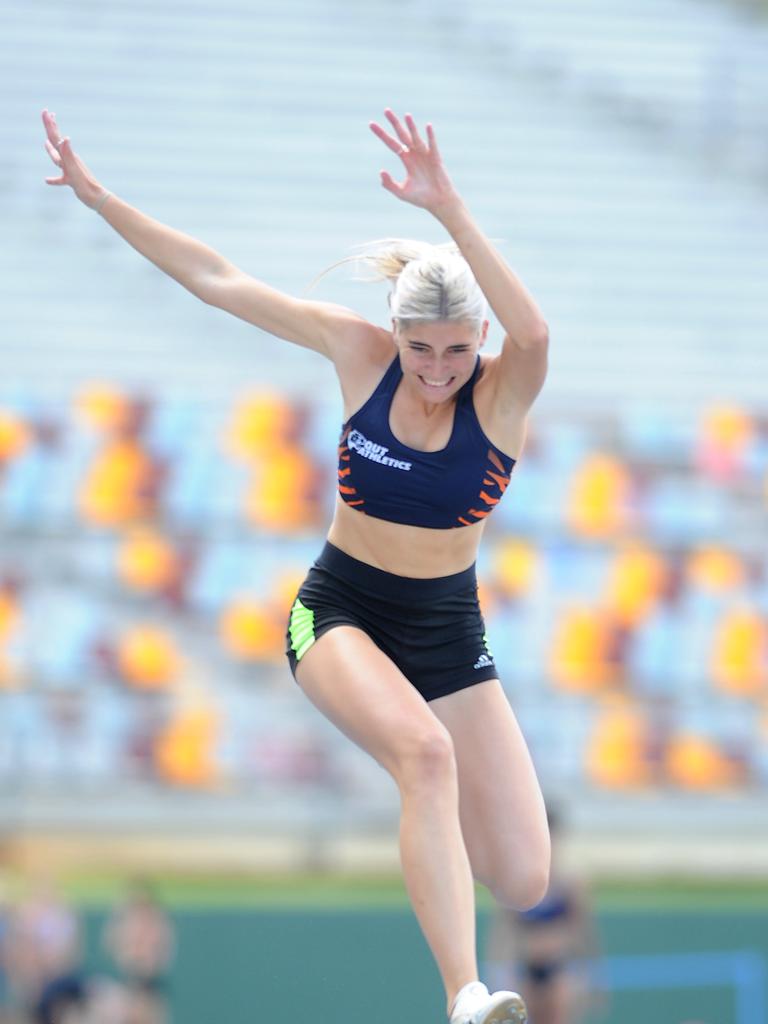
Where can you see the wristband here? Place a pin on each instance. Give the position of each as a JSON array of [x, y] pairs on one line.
[[102, 199]]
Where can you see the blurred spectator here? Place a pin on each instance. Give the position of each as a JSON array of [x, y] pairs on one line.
[[63, 1001], [549, 953], [139, 937], [45, 956], [108, 1003]]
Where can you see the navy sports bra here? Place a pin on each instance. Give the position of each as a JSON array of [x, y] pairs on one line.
[[457, 486]]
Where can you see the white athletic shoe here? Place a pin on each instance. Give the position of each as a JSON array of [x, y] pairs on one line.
[[475, 1005]]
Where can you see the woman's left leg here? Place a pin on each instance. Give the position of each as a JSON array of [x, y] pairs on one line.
[[502, 811]]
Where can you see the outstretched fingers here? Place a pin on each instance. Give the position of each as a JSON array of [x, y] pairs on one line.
[[432, 141], [416, 140], [55, 146], [426, 183], [53, 153], [401, 133], [408, 138], [386, 138], [51, 128]]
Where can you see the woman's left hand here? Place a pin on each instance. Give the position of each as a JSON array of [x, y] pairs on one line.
[[426, 183]]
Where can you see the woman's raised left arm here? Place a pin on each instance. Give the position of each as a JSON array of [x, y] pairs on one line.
[[524, 353]]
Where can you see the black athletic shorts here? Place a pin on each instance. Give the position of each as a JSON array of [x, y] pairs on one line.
[[432, 629]]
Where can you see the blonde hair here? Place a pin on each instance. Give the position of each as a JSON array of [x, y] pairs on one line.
[[429, 282]]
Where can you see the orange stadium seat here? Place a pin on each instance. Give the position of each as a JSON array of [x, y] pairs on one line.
[[258, 425], [284, 494], [252, 631], [695, 762], [740, 653], [103, 407], [146, 561], [617, 756], [15, 436], [119, 486], [580, 660], [598, 501], [635, 583], [515, 563], [10, 618], [715, 570], [147, 658], [184, 751]]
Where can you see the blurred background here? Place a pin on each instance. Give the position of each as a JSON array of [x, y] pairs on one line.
[[182, 837]]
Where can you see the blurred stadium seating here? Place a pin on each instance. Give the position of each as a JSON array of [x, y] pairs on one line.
[[165, 473], [595, 595]]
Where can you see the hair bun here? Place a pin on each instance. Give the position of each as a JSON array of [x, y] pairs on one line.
[[388, 257], [429, 282]]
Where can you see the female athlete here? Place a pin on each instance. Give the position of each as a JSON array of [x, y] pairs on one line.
[[386, 636]]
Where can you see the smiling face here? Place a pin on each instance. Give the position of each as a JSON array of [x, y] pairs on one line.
[[438, 357]]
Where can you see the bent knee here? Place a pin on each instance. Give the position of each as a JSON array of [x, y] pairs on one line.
[[521, 885], [520, 892], [425, 757]]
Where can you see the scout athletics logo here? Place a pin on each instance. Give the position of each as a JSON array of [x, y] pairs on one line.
[[357, 442]]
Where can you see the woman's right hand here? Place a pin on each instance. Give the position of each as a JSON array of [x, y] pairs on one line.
[[73, 171]]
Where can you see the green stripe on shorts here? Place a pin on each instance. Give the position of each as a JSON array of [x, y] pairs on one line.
[[301, 629]]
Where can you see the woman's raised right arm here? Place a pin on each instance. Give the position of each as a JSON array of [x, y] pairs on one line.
[[201, 270]]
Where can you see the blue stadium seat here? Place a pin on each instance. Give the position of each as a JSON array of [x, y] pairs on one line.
[[655, 656], [654, 436], [511, 647], [685, 509], [70, 622], [24, 487], [66, 473], [174, 426], [188, 486], [223, 569]]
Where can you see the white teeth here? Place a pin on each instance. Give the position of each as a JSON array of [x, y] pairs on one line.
[[435, 383]]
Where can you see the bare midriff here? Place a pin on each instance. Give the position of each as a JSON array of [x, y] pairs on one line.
[[413, 551]]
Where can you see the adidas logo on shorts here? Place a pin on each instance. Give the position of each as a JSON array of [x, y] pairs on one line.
[[483, 661]]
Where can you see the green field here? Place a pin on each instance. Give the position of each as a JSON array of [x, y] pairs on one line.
[[349, 891]]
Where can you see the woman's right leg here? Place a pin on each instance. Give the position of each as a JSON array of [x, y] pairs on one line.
[[357, 687]]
